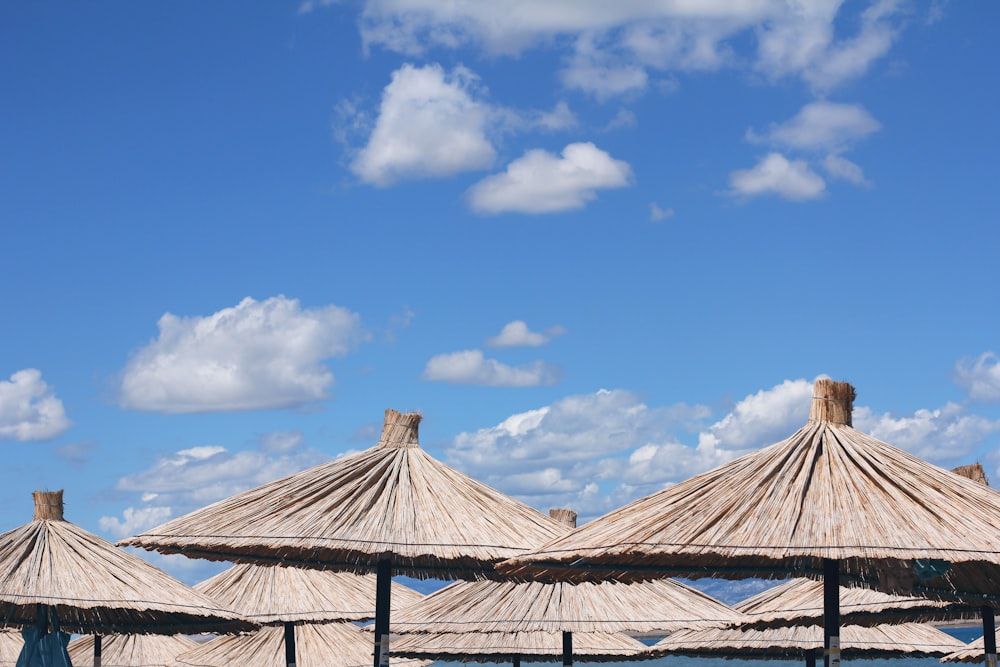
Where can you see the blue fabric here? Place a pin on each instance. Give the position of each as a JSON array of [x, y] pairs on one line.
[[44, 649]]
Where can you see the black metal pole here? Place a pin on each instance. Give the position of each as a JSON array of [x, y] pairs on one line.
[[289, 644], [517, 661], [989, 637], [810, 658], [97, 651], [831, 612], [567, 649], [383, 597]]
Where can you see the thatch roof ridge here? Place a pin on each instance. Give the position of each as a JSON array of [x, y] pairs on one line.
[[396, 502], [270, 594], [130, 650], [974, 651], [800, 602], [94, 584], [507, 606], [776, 510], [527, 646], [316, 645], [856, 641]]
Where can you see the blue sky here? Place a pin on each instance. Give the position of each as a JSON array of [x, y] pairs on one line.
[[600, 246]]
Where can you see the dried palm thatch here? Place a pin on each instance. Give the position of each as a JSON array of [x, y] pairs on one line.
[[11, 643], [800, 602], [974, 651], [503, 607], [390, 502], [525, 646], [973, 471], [130, 650], [829, 494], [269, 594], [877, 641], [318, 645], [94, 586]]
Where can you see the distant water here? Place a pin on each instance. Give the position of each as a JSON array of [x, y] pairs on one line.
[[963, 634]]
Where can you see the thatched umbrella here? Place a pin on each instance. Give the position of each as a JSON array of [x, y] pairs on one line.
[[829, 501], [500, 607], [800, 602], [974, 651], [391, 508], [130, 650], [515, 647], [318, 645], [290, 596], [912, 640], [51, 565], [11, 643]]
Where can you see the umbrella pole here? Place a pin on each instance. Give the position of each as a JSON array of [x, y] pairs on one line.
[[989, 637], [289, 644], [567, 649], [810, 658], [831, 612], [383, 592], [516, 662], [97, 651]]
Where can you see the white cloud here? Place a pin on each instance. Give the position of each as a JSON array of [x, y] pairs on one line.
[[981, 378], [759, 420], [29, 409], [843, 169], [430, 125], [471, 367], [823, 126], [775, 174], [517, 334], [196, 476], [134, 521], [540, 182], [256, 355], [618, 42], [947, 436], [657, 214]]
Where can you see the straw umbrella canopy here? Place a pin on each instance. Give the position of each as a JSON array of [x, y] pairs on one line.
[[93, 586], [800, 602], [515, 647], [11, 643], [391, 508], [913, 640], [662, 605], [130, 650], [974, 651], [318, 645], [290, 596], [828, 501]]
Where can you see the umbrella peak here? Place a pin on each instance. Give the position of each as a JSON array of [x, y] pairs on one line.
[[832, 402], [400, 430], [48, 505]]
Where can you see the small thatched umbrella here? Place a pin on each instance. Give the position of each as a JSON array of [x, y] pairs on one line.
[[499, 607], [318, 645], [130, 650], [912, 640], [94, 587], [800, 602], [515, 647], [974, 651], [829, 501], [391, 508], [290, 596]]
